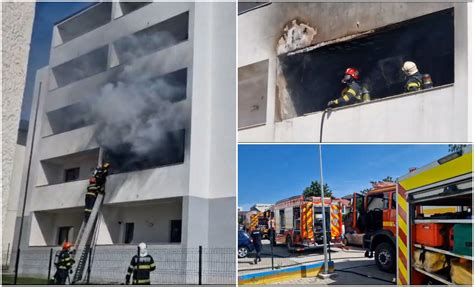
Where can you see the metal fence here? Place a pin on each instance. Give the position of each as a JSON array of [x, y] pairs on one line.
[[174, 264], [6, 258]]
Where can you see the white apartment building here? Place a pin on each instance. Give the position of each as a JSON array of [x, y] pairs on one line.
[[288, 72], [181, 195]]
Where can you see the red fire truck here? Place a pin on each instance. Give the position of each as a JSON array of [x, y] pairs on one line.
[[299, 222]]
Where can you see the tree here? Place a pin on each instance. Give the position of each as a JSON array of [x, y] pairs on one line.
[[456, 147], [315, 190], [386, 179]]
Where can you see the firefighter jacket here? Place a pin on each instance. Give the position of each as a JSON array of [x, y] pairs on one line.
[[351, 94], [64, 260], [140, 267], [414, 83], [92, 190]]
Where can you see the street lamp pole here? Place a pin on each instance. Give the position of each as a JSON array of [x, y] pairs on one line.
[[325, 246]]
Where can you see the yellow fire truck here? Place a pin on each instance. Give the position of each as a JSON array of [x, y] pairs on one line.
[[298, 222], [436, 248]]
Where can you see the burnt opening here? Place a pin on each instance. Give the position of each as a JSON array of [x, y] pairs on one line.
[[175, 83], [313, 78], [169, 151]]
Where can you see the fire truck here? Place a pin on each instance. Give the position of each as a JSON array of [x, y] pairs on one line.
[[421, 213], [374, 215], [260, 220], [299, 222]]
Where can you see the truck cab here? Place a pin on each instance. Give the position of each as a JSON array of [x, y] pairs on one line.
[[374, 215]]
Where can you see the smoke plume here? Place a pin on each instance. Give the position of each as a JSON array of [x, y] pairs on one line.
[[138, 114]]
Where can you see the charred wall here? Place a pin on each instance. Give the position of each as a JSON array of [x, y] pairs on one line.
[[313, 78]]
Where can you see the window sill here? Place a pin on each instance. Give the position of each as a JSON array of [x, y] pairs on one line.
[[382, 100]]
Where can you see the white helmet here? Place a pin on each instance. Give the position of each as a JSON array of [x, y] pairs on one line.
[[142, 248], [409, 68]]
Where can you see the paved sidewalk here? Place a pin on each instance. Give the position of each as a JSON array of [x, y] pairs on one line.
[[351, 266]]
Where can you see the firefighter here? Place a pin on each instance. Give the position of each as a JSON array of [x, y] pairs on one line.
[[101, 173], [257, 244], [63, 264], [91, 195], [140, 266], [353, 93], [415, 80]]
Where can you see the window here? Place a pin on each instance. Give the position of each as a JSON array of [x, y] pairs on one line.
[[245, 7], [175, 232], [253, 80], [128, 7], [81, 67], [282, 218], [83, 22], [385, 200], [154, 38], [129, 228], [71, 174], [64, 234], [313, 78], [394, 200], [170, 150], [69, 118], [375, 202]]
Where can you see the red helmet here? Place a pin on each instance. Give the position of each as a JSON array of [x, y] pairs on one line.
[[67, 245], [353, 72], [92, 180]]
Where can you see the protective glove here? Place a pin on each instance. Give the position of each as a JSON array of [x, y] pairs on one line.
[[70, 271], [332, 104]]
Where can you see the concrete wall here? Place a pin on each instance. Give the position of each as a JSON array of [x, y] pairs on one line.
[[206, 179], [17, 24], [438, 116]]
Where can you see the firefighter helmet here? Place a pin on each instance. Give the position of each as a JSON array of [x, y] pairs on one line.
[[67, 245], [353, 72], [409, 68], [92, 180], [142, 249], [349, 74]]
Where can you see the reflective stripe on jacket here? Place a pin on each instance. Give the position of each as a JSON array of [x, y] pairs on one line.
[[140, 267], [352, 94]]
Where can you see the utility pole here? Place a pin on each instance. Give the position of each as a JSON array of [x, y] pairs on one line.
[[20, 233], [325, 248]]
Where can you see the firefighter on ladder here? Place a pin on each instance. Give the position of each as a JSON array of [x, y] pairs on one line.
[[140, 267], [63, 264], [415, 81], [353, 93], [96, 186]]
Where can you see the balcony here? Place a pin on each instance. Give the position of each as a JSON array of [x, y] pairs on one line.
[[123, 188], [434, 115]]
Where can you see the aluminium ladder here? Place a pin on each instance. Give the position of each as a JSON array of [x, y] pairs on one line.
[[85, 242]]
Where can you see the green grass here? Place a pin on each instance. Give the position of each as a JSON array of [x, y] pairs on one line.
[[8, 279]]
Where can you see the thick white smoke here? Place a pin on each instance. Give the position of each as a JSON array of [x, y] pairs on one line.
[[138, 109]]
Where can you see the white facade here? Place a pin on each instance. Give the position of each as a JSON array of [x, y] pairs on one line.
[[200, 191], [17, 25], [442, 114]]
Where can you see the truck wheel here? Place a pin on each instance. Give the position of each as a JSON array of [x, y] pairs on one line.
[[385, 257]]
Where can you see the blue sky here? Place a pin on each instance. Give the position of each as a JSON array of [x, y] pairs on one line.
[[46, 14], [268, 173]]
